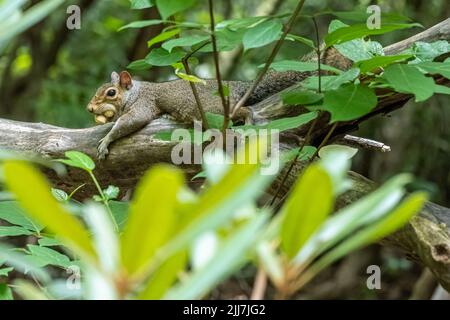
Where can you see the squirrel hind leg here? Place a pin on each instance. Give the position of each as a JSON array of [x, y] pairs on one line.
[[245, 115]]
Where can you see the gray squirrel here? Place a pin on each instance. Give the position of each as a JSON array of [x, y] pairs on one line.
[[133, 104]]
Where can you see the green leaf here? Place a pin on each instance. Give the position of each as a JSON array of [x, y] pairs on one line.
[[304, 210], [184, 42], [152, 218], [301, 97], [22, 262], [331, 149], [5, 271], [79, 160], [284, 123], [60, 195], [49, 242], [442, 89], [407, 79], [168, 8], [40, 204], [142, 24], [163, 36], [226, 40], [141, 64], [435, 68], [112, 192], [5, 292], [361, 213], [162, 57], [231, 255], [349, 102], [357, 49], [361, 30], [305, 41], [163, 278], [331, 82], [12, 212], [380, 62], [120, 212], [141, 4], [262, 34], [215, 121], [6, 231], [362, 16], [393, 221], [425, 51], [300, 66], [44, 256]]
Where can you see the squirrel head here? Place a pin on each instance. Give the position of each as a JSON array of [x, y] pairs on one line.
[[110, 98]]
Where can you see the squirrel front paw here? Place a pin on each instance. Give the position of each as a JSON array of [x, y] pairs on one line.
[[102, 149]]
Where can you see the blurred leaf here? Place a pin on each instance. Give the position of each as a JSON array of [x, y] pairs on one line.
[[28, 291], [330, 149], [152, 219], [349, 102], [6, 231], [22, 262], [407, 79], [60, 195], [79, 160], [44, 256], [394, 220], [104, 237], [5, 292], [139, 65], [162, 57], [168, 8], [262, 34], [230, 256], [111, 193], [189, 77], [142, 4], [215, 121], [163, 36], [49, 242], [188, 41], [301, 97], [380, 62], [163, 278], [304, 210], [20, 178], [12, 212], [10, 28], [120, 212], [271, 262], [300, 66], [306, 154], [5, 271], [204, 249], [353, 217], [361, 30], [441, 89]]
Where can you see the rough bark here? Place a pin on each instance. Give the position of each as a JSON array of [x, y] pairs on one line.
[[426, 238]]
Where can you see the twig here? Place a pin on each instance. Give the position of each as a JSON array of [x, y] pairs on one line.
[[324, 141], [272, 56], [319, 65], [364, 143], [260, 285], [226, 106], [185, 62]]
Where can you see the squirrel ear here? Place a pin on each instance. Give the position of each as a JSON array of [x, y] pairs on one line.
[[125, 80], [115, 78]]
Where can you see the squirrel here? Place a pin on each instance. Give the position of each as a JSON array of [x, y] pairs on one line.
[[133, 104]]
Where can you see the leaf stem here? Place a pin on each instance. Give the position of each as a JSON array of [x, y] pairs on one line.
[[225, 104], [104, 200], [272, 56]]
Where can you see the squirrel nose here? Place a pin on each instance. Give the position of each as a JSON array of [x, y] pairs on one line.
[[90, 107]]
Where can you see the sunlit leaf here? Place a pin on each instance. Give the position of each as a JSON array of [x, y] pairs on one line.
[[40, 204], [304, 210], [188, 41], [142, 4], [152, 218], [407, 79], [163, 36]]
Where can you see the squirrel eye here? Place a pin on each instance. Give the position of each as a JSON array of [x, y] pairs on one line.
[[111, 93]]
